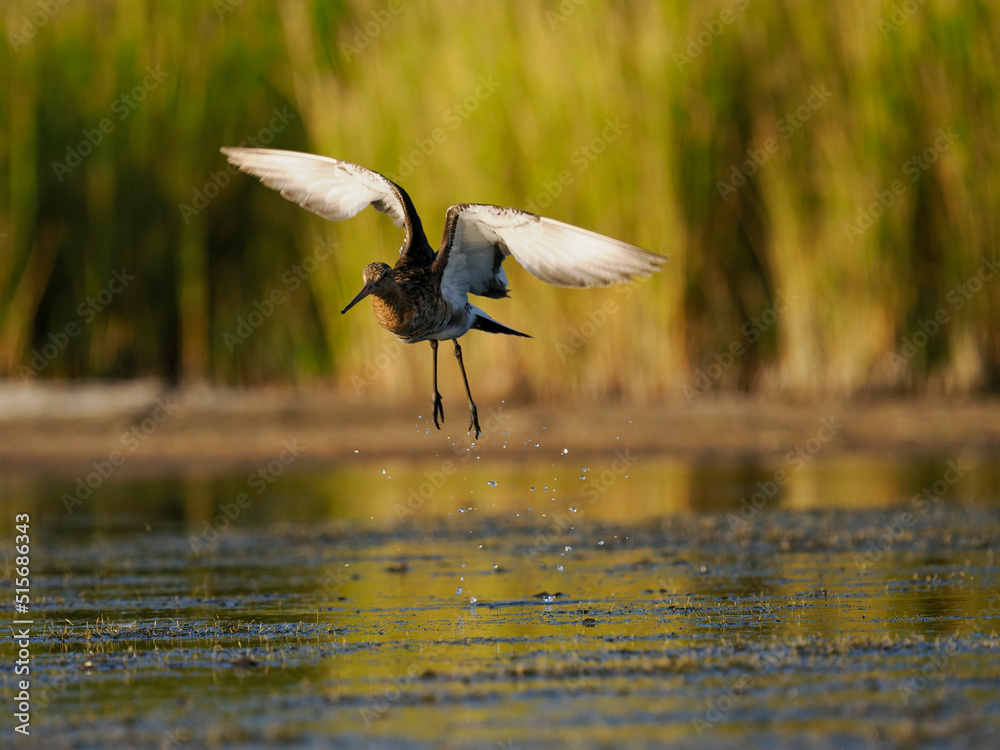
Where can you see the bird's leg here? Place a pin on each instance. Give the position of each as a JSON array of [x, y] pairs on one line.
[[438, 406], [473, 414]]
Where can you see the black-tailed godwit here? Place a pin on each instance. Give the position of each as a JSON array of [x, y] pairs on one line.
[[425, 295]]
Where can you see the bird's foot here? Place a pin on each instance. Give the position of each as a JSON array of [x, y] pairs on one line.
[[474, 420], [438, 409]]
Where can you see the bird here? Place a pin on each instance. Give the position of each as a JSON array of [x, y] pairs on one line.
[[424, 296]]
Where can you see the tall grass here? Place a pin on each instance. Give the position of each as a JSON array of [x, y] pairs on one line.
[[627, 118]]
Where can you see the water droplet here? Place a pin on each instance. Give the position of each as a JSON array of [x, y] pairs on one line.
[[458, 591], [565, 451], [559, 568], [600, 543], [582, 477], [491, 483], [572, 510], [473, 600], [568, 548]]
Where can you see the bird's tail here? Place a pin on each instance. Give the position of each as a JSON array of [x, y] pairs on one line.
[[486, 323]]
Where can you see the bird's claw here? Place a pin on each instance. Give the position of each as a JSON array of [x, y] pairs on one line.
[[438, 409], [474, 421]]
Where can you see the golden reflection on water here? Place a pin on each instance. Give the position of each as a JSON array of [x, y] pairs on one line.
[[621, 489], [517, 601]]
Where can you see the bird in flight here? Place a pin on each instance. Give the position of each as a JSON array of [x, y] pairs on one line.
[[425, 295]]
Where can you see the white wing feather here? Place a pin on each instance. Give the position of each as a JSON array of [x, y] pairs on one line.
[[331, 188], [555, 252]]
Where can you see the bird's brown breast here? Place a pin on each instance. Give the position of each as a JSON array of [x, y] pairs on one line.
[[412, 308], [392, 316]]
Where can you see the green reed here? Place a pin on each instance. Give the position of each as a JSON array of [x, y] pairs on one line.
[[823, 176]]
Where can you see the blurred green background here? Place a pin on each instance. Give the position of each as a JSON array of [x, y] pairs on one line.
[[824, 176]]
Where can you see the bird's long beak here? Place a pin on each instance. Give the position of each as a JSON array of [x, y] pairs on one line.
[[365, 291]]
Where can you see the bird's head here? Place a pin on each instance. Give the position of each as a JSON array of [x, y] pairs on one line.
[[378, 278]]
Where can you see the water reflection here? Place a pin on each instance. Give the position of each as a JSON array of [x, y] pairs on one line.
[[396, 601], [559, 493]]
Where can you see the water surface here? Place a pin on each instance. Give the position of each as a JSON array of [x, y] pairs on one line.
[[628, 603]]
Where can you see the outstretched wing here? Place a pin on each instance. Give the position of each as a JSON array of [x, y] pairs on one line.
[[478, 237], [331, 188]]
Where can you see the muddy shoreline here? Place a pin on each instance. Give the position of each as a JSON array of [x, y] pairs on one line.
[[57, 429]]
